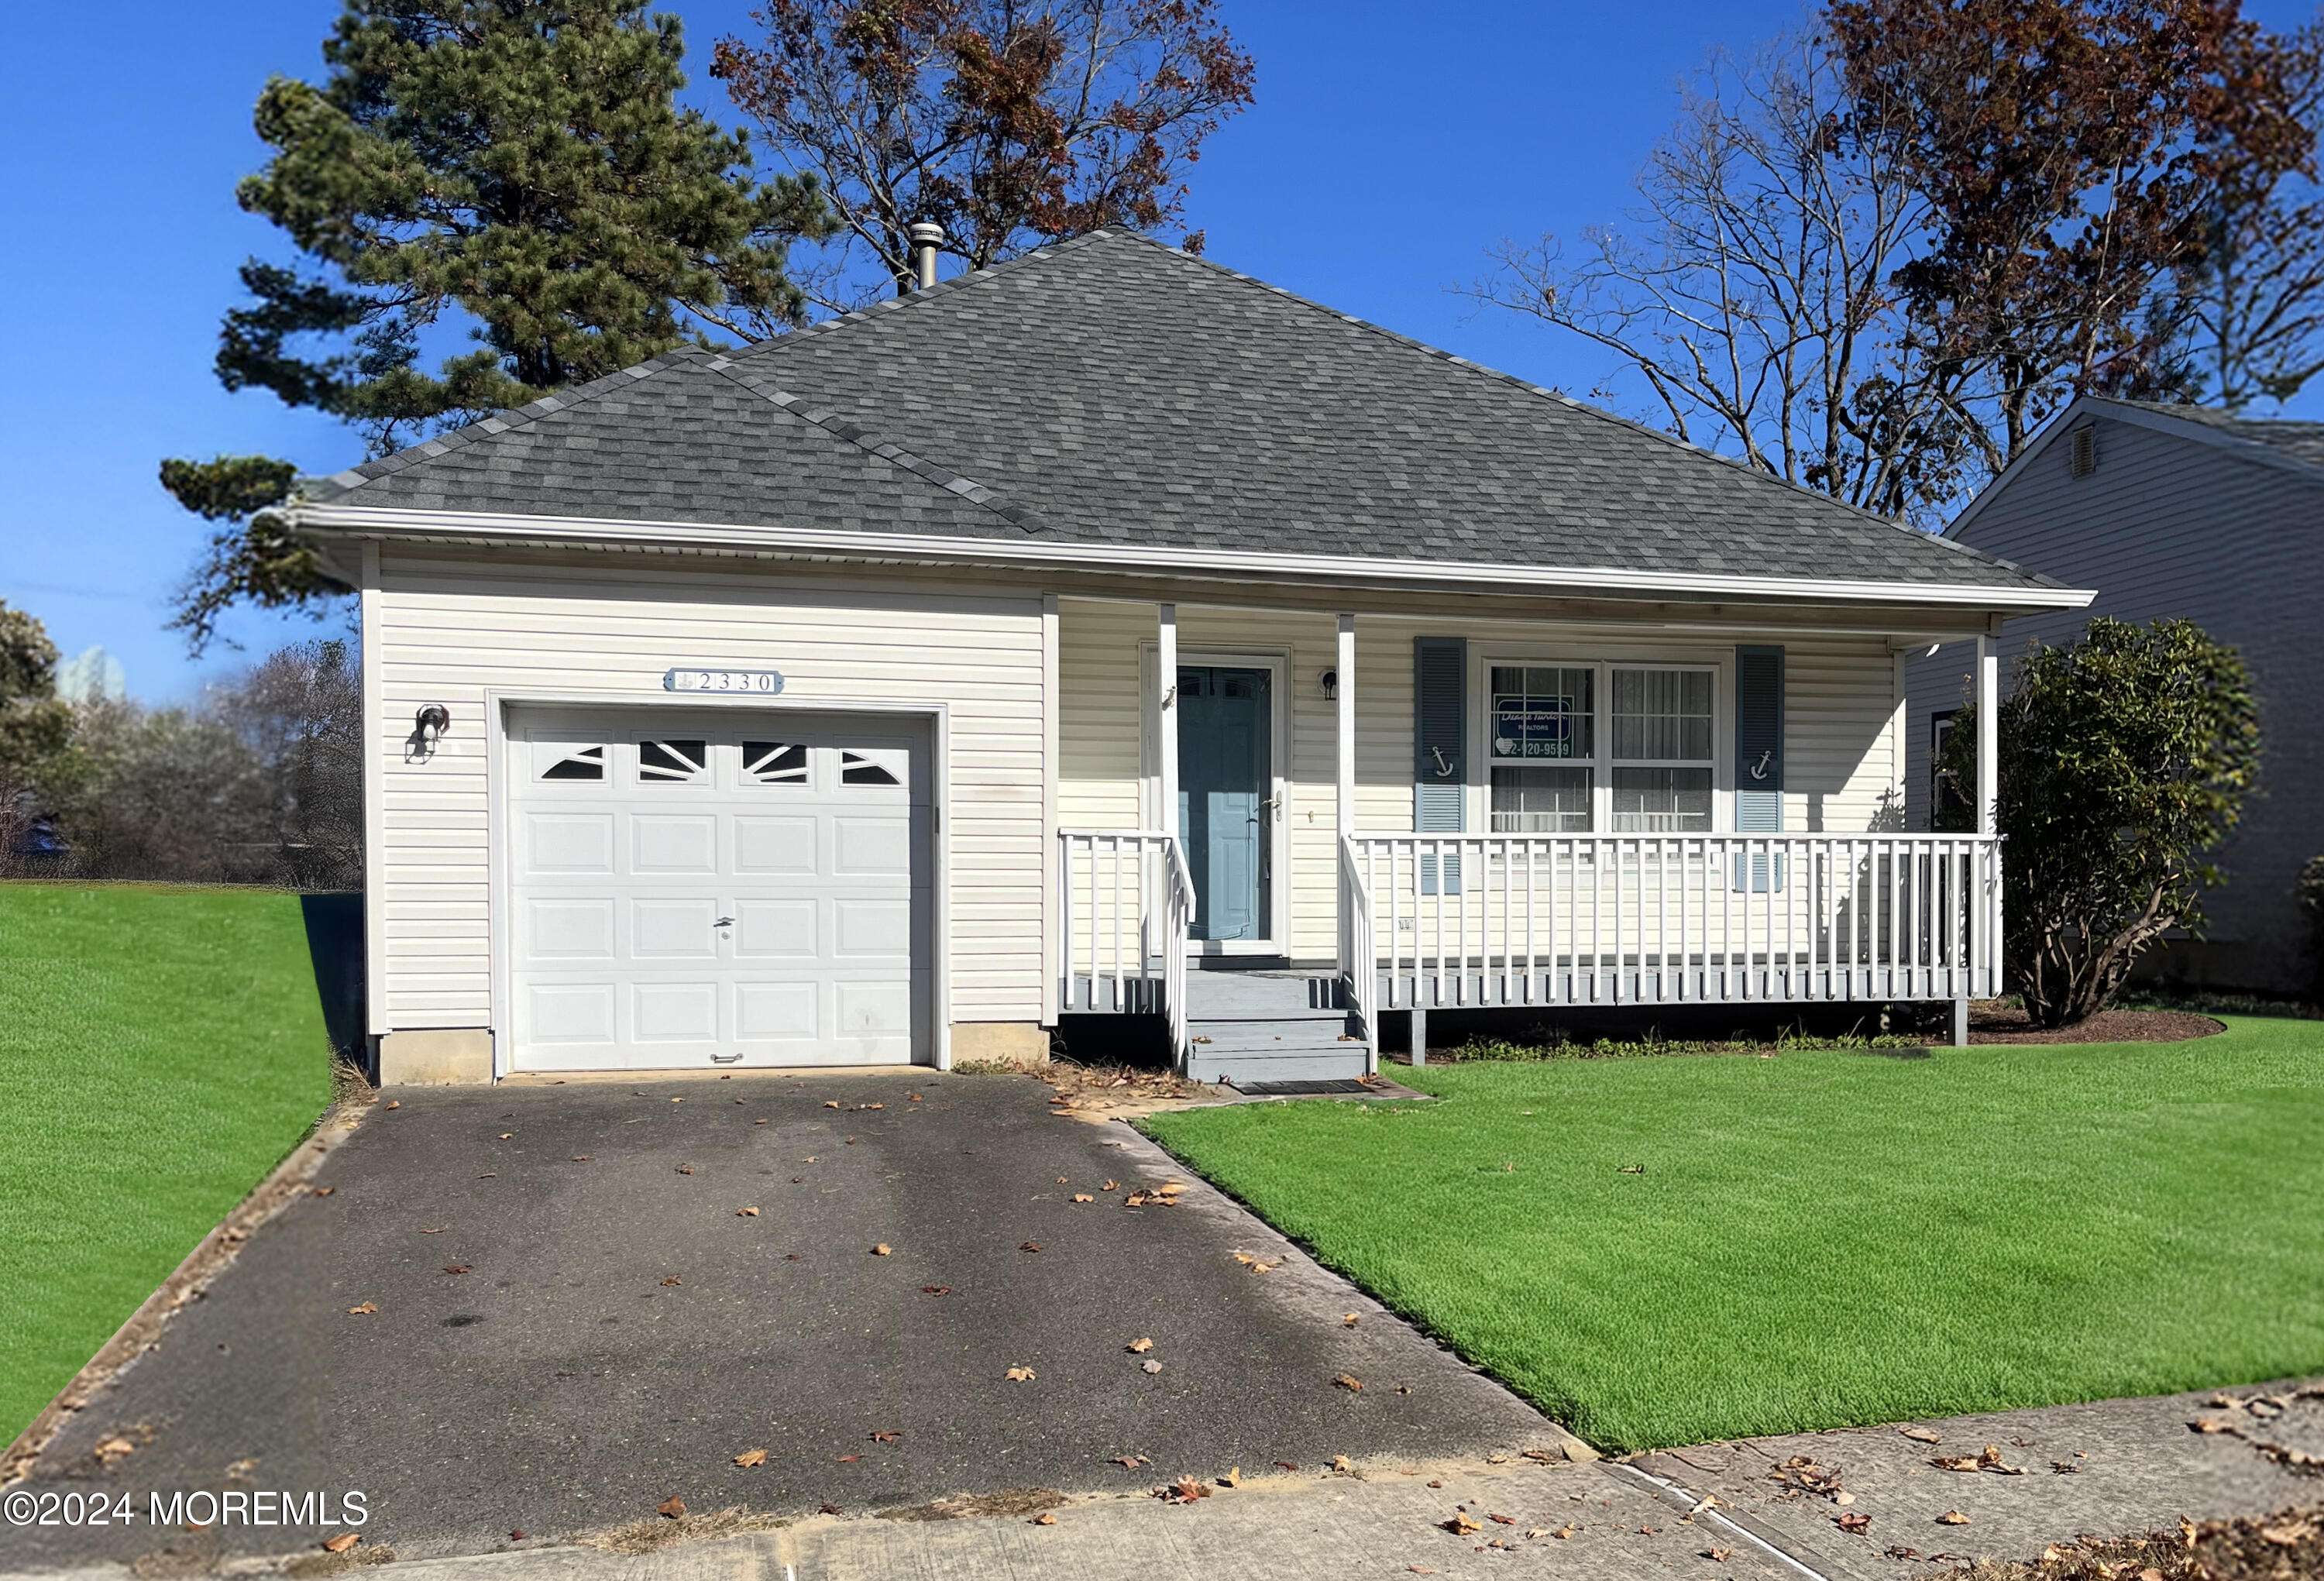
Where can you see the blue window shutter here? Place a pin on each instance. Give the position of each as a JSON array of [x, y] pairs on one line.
[[1440, 757], [1440, 733], [1759, 740]]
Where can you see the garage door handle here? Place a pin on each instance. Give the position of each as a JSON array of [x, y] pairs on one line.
[[725, 922]]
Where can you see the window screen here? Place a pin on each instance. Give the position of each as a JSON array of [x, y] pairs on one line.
[[1662, 715], [1541, 801], [1661, 801]]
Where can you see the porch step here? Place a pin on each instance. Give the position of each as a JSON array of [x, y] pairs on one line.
[[1269, 1026], [1272, 1037], [1209, 1064], [1274, 995]]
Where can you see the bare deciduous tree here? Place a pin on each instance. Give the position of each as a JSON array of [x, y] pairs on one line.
[[1010, 123]]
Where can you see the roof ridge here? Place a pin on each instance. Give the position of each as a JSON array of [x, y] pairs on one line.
[[502, 422], [1023, 516]]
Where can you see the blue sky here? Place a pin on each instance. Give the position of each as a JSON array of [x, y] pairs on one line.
[[1392, 144]]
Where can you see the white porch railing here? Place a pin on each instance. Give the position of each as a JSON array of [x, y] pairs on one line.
[[1355, 914], [1619, 919], [1125, 904]]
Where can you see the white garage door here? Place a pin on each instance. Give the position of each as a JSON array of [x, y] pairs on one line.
[[694, 888]]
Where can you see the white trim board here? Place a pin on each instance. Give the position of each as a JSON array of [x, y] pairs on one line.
[[555, 531]]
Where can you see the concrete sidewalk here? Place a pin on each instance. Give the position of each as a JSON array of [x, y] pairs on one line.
[[1779, 1505]]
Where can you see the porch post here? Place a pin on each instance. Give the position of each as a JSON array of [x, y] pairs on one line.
[[1347, 692], [1989, 732], [1165, 715]]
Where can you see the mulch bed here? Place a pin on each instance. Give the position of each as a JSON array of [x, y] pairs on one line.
[[2288, 1543], [1996, 1022]]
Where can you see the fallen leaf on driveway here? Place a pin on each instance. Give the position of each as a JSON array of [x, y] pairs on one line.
[[1233, 1478], [580, 1158], [831, 1103], [1044, 1519], [882, 1249], [1185, 1491], [1460, 1525], [1563, 1533], [1853, 1523], [438, 1231], [935, 1290], [1350, 1383], [798, 1180], [1139, 1346], [1151, 1366], [849, 1459], [686, 1169], [1922, 1435], [1349, 1321], [870, 1105], [1502, 1520], [670, 1508], [365, 1310], [751, 1458], [1061, 1180], [758, 1122], [325, 1191], [915, 1097], [1719, 1555], [506, 1134], [1031, 1246], [886, 1436], [489, 1175], [113, 1450], [746, 1213], [1255, 1264], [1340, 1466], [1111, 1186], [395, 1103], [673, 1278], [456, 1267], [1084, 1197], [1132, 1461], [1019, 1374], [1420, 1569], [1952, 1517], [2204, 1424], [341, 1543], [832, 1509]]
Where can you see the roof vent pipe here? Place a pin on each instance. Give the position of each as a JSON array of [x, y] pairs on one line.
[[926, 237]]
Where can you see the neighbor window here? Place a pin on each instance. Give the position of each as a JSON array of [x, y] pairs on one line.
[[1555, 768]]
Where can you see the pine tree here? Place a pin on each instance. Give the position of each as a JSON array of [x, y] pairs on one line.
[[517, 162]]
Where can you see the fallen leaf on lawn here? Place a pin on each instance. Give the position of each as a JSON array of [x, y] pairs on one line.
[[325, 1191], [673, 1278], [1134, 1461], [1019, 1374], [670, 1508], [1350, 1383], [1031, 1246], [1139, 1346], [365, 1310], [849, 1459], [882, 1249], [885, 1435], [751, 1458], [1460, 1525], [1952, 1517], [1922, 1435], [341, 1543], [456, 1267], [1044, 1519], [1629, 1169], [1151, 1366], [113, 1450], [1853, 1523], [831, 1103], [1084, 1197]]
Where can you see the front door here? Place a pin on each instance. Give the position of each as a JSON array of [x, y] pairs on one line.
[[1225, 779]]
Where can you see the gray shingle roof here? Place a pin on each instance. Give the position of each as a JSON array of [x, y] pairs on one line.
[[1111, 390], [2295, 437]]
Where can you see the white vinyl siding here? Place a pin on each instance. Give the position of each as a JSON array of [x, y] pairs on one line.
[[450, 628], [1841, 761]]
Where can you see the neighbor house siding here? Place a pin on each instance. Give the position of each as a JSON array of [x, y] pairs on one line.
[[2172, 526], [450, 629], [1840, 721]]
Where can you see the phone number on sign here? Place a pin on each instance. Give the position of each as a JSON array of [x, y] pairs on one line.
[[202, 1507]]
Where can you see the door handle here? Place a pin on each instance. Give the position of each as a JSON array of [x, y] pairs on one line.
[[725, 922]]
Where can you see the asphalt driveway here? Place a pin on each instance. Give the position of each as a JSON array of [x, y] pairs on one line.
[[575, 1317]]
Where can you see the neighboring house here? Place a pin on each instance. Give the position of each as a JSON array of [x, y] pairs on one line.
[[2182, 511], [824, 701]]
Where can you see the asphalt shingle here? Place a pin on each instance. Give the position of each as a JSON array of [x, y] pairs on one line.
[[1111, 390]]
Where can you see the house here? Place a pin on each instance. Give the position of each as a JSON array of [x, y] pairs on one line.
[[836, 700], [2177, 510]]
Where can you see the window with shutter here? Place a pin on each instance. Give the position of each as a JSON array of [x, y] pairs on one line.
[[1439, 740], [1759, 740]]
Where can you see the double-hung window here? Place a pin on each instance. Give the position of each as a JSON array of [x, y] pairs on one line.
[[1622, 747]]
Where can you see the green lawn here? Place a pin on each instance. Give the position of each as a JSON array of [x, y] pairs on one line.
[[1823, 1239], [162, 1048]]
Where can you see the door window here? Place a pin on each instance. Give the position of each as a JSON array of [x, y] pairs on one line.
[[1225, 775]]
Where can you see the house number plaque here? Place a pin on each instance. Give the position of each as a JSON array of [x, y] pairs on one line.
[[766, 682]]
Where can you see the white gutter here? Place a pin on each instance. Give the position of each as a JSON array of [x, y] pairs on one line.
[[1125, 558]]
